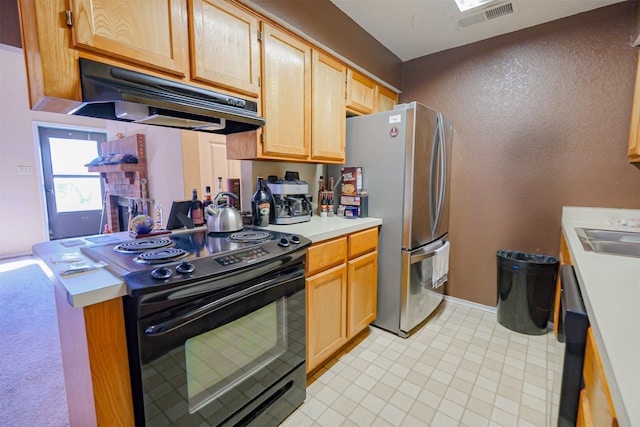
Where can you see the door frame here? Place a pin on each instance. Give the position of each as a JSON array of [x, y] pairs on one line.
[[38, 161]]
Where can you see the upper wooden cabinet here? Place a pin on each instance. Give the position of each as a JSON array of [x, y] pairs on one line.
[[634, 135], [303, 101], [224, 46], [328, 120], [303, 93], [286, 94], [150, 33], [385, 98], [365, 96], [361, 93]]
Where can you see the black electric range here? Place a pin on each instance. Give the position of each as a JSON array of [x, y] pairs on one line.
[[167, 261]]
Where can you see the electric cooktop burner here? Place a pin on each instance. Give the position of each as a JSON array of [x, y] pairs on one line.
[[250, 236], [138, 246], [160, 256]]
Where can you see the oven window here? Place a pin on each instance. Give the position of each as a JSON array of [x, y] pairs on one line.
[[220, 359]]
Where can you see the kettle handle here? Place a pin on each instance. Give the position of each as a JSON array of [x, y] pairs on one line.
[[224, 193]]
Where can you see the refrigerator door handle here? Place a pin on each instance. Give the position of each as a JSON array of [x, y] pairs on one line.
[[425, 252], [432, 182], [438, 154], [415, 258]]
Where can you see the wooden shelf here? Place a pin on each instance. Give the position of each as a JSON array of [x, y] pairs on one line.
[[121, 167]]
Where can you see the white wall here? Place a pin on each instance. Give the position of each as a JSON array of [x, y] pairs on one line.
[[22, 212], [22, 217], [164, 160]]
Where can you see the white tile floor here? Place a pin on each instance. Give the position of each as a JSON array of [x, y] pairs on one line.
[[461, 368]]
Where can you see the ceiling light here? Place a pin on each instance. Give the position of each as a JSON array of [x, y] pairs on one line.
[[465, 5]]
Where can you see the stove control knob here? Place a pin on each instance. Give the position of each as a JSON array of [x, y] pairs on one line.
[[161, 273], [185, 268], [283, 242], [295, 240]]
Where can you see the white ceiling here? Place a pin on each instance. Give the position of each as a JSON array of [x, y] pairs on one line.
[[414, 28]]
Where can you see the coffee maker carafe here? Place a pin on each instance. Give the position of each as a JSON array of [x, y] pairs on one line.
[[290, 202]]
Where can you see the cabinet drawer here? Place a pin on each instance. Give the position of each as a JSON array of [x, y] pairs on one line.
[[325, 255], [363, 242]]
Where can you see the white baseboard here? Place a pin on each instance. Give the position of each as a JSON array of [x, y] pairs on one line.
[[471, 304]]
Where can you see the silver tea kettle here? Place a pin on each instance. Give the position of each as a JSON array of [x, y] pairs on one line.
[[222, 217]]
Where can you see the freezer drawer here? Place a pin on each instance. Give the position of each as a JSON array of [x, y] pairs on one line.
[[419, 299]]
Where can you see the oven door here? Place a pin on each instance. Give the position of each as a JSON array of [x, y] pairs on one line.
[[223, 358], [574, 324]]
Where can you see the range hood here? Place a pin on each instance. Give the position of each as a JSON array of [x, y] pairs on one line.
[[114, 93]]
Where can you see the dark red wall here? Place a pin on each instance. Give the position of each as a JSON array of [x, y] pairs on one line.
[[541, 119]]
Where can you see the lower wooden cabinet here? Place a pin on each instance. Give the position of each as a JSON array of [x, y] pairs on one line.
[[362, 272], [326, 314], [595, 407], [341, 289]]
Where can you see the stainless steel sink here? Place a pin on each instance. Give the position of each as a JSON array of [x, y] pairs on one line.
[[625, 243], [612, 236]]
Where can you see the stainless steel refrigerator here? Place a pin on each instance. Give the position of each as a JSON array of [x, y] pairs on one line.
[[405, 154]]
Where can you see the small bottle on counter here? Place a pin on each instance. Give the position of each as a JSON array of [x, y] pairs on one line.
[[107, 230], [206, 201], [158, 216], [196, 212], [260, 205], [324, 205]]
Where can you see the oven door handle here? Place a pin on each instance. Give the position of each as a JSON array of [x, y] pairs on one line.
[[200, 312]]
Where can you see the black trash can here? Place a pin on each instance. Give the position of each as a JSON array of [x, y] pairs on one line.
[[526, 286]]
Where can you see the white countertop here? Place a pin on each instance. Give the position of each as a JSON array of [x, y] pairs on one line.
[[610, 286], [100, 285]]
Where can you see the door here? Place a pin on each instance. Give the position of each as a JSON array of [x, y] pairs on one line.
[[220, 355], [74, 196]]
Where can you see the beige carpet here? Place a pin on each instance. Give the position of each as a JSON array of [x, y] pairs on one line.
[[31, 381]]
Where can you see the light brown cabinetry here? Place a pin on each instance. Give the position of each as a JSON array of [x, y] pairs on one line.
[[365, 96], [341, 292], [362, 273], [152, 34], [286, 94], [326, 290], [386, 99], [634, 134], [224, 46], [595, 407], [328, 120], [303, 96], [361, 93]]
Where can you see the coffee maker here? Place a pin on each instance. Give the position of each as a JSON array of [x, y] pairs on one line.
[[290, 202]]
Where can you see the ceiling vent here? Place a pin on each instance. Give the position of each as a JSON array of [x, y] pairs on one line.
[[487, 14]]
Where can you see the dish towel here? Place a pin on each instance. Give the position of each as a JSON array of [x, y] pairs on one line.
[[440, 265]]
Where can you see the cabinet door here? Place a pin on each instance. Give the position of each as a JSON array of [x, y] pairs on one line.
[[362, 292], [286, 94], [596, 391], [225, 48], [634, 135], [360, 93], [151, 33], [328, 124], [326, 314], [385, 98]]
